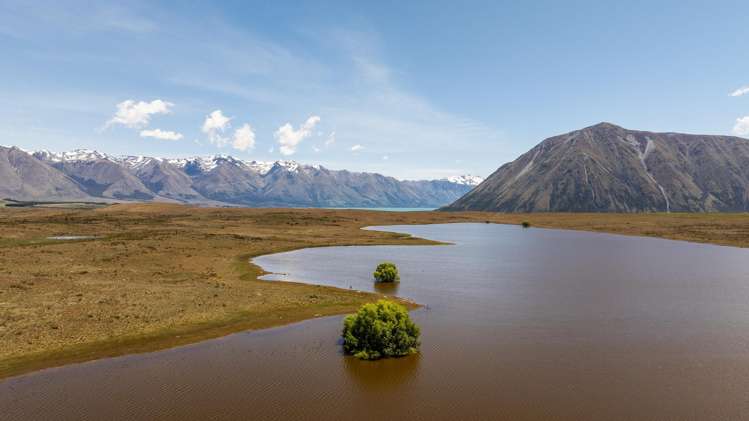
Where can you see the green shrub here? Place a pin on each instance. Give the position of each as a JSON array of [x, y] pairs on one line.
[[386, 272], [380, 330], [526, 224]]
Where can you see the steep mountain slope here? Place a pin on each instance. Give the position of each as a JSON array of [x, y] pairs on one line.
[[432, 192], [606, 168], [218, 180], [163, 178], [287, 183], [23, 177], [98, 175], [225, 179]]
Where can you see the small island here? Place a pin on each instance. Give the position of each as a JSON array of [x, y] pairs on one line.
[[380, 330]]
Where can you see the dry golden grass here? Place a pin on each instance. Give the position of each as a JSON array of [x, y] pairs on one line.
[[157, 276]]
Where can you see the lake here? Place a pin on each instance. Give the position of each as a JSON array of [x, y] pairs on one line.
[[517, 324], [391, 209]]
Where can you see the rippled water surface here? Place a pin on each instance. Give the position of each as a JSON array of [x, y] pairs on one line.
[[518, 324]]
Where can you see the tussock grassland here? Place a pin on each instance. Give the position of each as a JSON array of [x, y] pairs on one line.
[[157, 276]]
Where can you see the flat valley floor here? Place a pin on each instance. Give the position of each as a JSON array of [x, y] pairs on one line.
[[139, 277]]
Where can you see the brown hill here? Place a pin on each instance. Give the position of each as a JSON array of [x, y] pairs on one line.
[[606, 168]]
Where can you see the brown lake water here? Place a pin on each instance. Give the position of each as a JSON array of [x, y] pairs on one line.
[[518, 324]]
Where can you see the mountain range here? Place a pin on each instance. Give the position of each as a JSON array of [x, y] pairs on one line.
[[87, 175], [607, 168]]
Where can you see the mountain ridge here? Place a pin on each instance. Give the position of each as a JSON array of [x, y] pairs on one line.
[[85, 174], [607, 168]]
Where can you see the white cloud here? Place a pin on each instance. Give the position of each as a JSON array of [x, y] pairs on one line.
[[330, 140], [138, 114], [374, 110], [385, 158], [289, 138], [215, 121], [161, 134], [214, 126], [741, 91], [742, 126], [316, 149], [356, 148], [244, 138], [361, 96]]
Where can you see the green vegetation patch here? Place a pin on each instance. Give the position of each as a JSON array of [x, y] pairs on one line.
[[380, 330], [386, 272]]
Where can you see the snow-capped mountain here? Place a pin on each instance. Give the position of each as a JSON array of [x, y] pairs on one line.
[[70, 156], [261, 167], [204, 164], [467, 180], [225, 179], [135, 162], [24, 177]]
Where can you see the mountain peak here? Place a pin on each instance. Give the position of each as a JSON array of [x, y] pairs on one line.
[[291, 166], [611, 169], [604, 125]]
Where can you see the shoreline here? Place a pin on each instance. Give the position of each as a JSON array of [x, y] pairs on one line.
[[189, 335], [264, 304]]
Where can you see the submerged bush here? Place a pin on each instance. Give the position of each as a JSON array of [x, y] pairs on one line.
[[386, 272], [380, 330]]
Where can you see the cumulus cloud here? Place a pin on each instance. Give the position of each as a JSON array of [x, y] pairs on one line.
[[138, 114], [289, 139], [244, 138], [215, 121], [356, 148], [741, 91], [214, 126], [161, 134], [742, 126]]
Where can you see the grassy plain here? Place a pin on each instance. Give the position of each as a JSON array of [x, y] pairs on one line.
[[155, 276]]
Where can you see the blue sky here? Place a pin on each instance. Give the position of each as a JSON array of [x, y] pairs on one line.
[[410, 89]]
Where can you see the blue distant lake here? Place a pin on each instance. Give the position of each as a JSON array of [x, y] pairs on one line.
[[391, 209]]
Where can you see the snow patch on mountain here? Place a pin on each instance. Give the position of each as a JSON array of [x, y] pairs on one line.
[[71, 156], [136, 162], [261, 167], [466, 180], [290, 166], [204, 164]]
